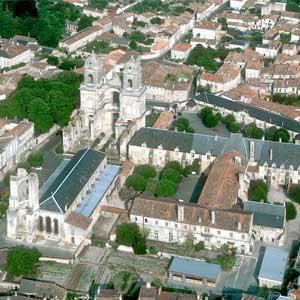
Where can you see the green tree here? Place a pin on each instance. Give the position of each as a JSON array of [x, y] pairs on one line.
[[292, 6], [229, 119], [166, 188], [35, 159], [133, 45], [157, 20], [182, 124], [189, 240], [22, 261], [126, 234], [151, 186], [282, 134], [146, 171], [270, 133], [85, 22], [140, 244], [291, 212], [52, 60], [174, 165], [294, 193], [136, 182], [253, 131], [39, 113], [100, 4], [171, 175], [258, 190]]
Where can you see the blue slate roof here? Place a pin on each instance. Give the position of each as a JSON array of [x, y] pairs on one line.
[[286, 154], [69, 183], [195, 268], [265, 214], [270, 270], [95, 195], [255, 112]]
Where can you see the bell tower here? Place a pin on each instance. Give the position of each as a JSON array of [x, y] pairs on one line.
[[133, 100]]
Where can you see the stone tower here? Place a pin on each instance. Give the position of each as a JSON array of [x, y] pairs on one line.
[[133, 101]]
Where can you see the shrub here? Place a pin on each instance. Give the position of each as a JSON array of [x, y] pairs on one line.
[[35, 159], [258, 190], [152, 250], [291, 212], [187, 171], [52, 60], [199, 246]]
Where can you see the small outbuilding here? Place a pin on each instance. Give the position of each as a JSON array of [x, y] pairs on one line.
[[273, 267], [194, 272]]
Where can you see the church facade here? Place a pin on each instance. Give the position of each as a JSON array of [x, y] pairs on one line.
[[111, 96]]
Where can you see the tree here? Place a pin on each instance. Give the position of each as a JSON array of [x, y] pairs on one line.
[[292, 6], [253, 131], [229, 119], [151, 186], [146, 171], [22, 261], [258, 190], [39, 113], [208, 117], [294, 193], [182, 124], [189, 240], [291, 212], [270, 133], [166, 188], [133, 45], [157, 20], [282, 134], [35, 159], [140, 244], [100, 4], [52, 60], [174, 165], [9, 25], [136, 182], [126, 234], [85, 22], [171, 175]]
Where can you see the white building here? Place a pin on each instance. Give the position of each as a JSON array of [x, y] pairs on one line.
[[237, 4], [66, 211], [181, 51], [16, 139], [207, 30]]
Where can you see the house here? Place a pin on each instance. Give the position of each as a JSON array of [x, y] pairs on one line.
[[16, 140], [271, 274], [237, 4], [193, 272], [268, 222], [107, 294], [238, 44], [207, 30], [80, 39], [226, 78], [13, 53], [270, 50], [40, 289], [181, 51]]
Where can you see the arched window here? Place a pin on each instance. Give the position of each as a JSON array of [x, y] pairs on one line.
[[56, 226], [48, 225], [90, 78], [130, 83], [116, 98], [40, 224]]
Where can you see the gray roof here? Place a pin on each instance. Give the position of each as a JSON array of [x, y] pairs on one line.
[[69, 183], [286, 154], [265, 214], [270, 270], [255, 112], [192, 267]]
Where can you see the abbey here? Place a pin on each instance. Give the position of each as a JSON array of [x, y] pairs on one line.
[[111, 96]]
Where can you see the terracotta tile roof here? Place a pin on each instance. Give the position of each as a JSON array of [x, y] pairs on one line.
[[82, 34], [222, 185], [164, 120], [78, 220], [208, 25], [194, 214], [159, 45], [182, 47]]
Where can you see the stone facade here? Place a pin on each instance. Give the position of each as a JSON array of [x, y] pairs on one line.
[[108, 101]]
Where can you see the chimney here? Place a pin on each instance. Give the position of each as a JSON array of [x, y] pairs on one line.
[[180, 213], [271, 154], [251, 149], [148, 284], [213, 216], [239, 226]]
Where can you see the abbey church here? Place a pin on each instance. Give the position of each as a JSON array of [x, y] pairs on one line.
[[111, 96]]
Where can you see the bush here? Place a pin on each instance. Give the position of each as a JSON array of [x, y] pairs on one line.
[[146, 171], [187, 171], [22, 261], [152, 250], [52, 60], [291, 212], [136, 182], [295, 193], [258, 190], [199, 246], [35, 159]]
